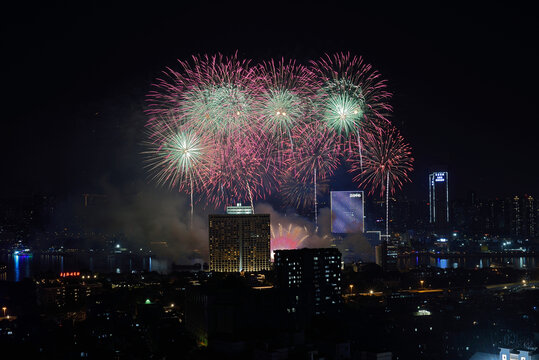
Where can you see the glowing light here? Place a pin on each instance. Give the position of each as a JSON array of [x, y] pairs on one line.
[[287, 238], [230, 131], [386, 155], [343, 113]]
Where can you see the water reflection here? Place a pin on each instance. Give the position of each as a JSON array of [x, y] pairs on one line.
[[517, 262], [441, 263], [20, 267], [17, 268]]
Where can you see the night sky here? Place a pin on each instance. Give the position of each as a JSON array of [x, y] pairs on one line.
[[74, 78]]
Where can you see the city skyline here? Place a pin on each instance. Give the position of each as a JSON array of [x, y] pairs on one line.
[[335, 180]]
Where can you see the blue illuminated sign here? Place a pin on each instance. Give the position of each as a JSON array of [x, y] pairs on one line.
[[347, 212], [439, 177]]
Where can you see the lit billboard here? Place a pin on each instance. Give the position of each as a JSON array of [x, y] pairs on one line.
[[347, 212]]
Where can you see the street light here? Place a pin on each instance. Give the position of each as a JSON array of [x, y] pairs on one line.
[[421, 282], [351, 287], [4, 308]]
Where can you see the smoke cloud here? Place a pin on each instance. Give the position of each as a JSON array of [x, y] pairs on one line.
[[158, 219]]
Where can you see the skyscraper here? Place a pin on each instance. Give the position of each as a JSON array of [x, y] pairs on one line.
[[439, 199], [523, 217], [347, 212], [239, 242]]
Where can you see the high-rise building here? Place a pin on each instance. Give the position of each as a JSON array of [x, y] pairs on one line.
[[347, 212], [310, 278], [523, 216], [439, 199], [239, 242]]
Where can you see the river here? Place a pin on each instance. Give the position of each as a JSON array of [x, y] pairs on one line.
[[24, 266]]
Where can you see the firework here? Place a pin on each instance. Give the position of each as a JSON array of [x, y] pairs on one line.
[[318, 157], [287, 238], [214, 94], [178, 158], [387, 161], [222, 99], [352, 91], [286, 98], [300, 194], [234, 132], [240, 170]]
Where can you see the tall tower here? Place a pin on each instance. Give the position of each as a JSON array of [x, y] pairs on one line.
[[523, 216], [439, 199], [239, 242]]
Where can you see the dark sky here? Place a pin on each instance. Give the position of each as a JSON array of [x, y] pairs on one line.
[[74, 79]]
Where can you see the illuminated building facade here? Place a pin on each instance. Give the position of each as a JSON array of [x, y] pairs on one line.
[[239, 242], [347, 212], [310, 279], [439, 199], [239, 210]]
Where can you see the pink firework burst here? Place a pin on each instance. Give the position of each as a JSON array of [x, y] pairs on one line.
[[215, 94], [240, 170], [316, 157], [387, 161], [317, 153], [386, 156], [287, 237]]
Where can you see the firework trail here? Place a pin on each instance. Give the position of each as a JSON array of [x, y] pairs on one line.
[[387, 161], [178, 158], [318, 157], [288, 238], [300, 194], [352, 92]]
